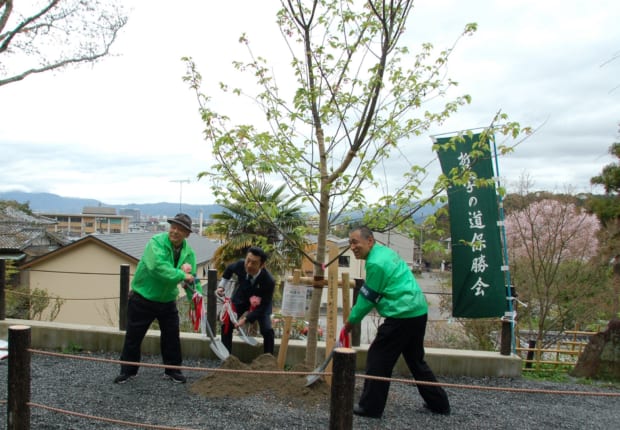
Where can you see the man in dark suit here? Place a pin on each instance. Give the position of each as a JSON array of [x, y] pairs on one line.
[[254, 295]]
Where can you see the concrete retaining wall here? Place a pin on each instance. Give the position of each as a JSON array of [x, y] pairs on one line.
[[68, 337]]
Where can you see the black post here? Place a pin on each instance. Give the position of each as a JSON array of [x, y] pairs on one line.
[[124, 297], [343, 384], [211, 299], [18, 410], [531, 345], [2, 290], [356, 333], [506, 338]]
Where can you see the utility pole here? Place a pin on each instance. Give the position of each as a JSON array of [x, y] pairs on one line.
[[181, 182]]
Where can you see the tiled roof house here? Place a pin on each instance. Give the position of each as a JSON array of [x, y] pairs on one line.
[[24, 237], [86, 273]]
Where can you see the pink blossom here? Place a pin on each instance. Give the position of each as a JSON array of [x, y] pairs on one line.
[[552, 230]]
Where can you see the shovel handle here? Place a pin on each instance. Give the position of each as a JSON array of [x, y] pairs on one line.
[[210, 331], [234, 320]]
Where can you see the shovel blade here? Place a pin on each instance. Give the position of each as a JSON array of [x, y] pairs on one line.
[[248, 339], [311, 379], [219, 350]]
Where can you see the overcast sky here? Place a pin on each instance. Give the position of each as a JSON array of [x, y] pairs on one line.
[[127, 130]]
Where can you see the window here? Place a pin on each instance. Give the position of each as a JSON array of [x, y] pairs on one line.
[[343, 261]]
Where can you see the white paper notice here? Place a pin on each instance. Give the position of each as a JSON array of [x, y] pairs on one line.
[[294, 299]]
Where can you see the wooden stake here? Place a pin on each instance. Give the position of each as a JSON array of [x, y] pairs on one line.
[[288, 322], [346, 297], [332, 306]]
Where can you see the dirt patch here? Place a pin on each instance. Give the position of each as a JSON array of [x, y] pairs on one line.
[[289, 388]]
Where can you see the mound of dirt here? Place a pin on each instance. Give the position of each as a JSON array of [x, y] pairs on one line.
[[289, 388]]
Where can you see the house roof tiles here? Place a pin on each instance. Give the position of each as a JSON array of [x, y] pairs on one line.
[[132, 245]]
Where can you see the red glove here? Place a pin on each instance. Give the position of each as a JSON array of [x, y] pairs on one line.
[[344, 339], [348, 327]]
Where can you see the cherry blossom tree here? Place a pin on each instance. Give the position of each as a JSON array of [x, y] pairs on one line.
[[552, 244]]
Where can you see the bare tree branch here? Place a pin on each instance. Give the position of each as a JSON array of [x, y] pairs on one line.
[[57, 34]]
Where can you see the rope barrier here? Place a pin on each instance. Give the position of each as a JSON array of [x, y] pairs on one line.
[[168, 366], [19, 293], [306, 373], [277, 372], [104, 419], [480, 387], [73, 273]]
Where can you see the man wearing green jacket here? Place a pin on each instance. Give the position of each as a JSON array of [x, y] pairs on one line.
[[167, 261], [392, 290]]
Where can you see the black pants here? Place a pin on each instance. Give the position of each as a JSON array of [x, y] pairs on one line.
[[395, 337], [140, 314], [264, 324]]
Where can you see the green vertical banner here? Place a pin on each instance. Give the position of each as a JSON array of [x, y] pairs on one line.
[[478, 287]]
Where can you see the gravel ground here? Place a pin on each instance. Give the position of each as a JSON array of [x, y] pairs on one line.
[[86, 387]]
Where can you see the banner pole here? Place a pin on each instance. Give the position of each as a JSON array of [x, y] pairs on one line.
[[511, 315]]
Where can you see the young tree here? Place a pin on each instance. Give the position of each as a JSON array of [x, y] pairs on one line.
[[39, 36], [357, 99], [551, 244]]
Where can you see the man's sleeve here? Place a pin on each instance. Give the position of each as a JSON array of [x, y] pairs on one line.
[[361, 308], [191, 260], [363, 305], [159, 265], [229, 271]]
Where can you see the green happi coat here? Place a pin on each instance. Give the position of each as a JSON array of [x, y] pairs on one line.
[[389, 276], [157, 276]]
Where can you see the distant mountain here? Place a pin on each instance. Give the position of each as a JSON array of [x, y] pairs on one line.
[[419, 215], [47, 202]]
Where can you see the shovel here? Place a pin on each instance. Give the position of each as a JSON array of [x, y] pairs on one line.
[[247, 339], [343, 340], [233, 318], [216, 345]]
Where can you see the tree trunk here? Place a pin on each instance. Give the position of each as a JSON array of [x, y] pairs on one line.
[[319, 276]]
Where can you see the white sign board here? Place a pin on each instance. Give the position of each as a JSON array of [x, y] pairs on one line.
[[294, 300]]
